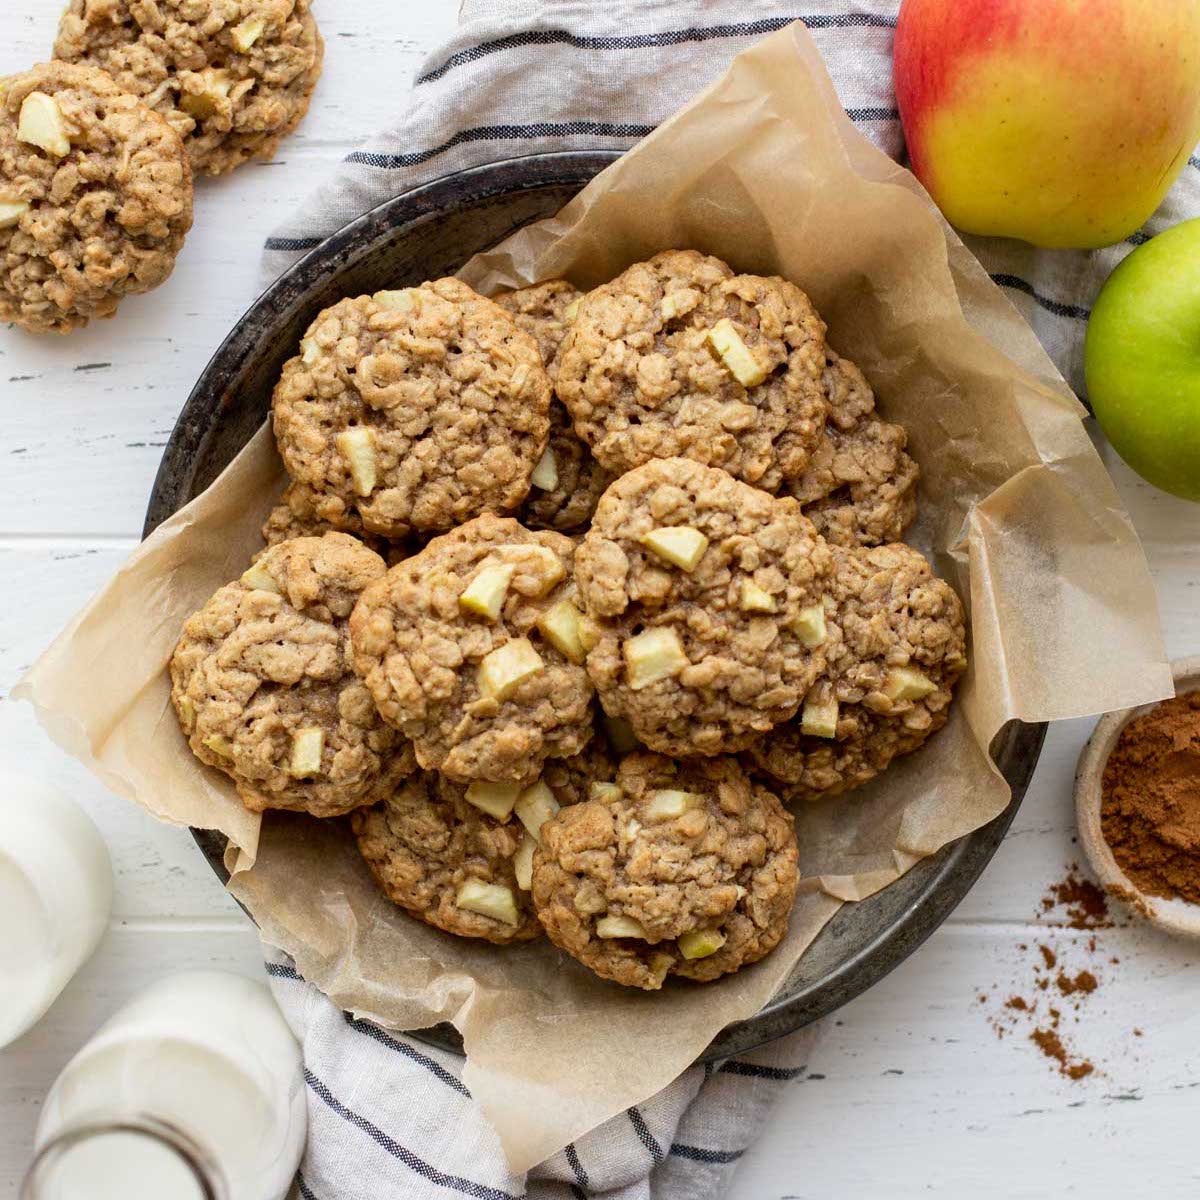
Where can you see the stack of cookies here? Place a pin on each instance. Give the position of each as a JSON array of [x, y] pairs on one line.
[[567, 597], [98, 148]]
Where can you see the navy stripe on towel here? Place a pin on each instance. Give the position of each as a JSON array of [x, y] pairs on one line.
[[644, 1135], [283, 971], [645, 41], [700, 1154], [410, 1052], [303, 1188], [581, 1176], [1053, 306], [419, 1166], [502, 133], [306, 243], [754, 1071]]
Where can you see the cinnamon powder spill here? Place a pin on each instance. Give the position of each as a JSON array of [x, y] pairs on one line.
[[1054, 1001]]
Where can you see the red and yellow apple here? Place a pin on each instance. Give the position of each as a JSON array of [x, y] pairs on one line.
[[1062, 122]]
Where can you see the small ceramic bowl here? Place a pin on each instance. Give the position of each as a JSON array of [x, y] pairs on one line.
[[1177, 916]]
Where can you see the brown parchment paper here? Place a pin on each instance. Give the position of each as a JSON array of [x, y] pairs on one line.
[[764, 170]]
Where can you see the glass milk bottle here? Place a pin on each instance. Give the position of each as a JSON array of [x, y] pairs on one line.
[[55, 897], [193, 1091]]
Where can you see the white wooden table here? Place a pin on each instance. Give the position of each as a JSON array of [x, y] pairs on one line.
[[910, 1093]]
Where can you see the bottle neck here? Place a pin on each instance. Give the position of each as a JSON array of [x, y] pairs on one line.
[[136, 1157]]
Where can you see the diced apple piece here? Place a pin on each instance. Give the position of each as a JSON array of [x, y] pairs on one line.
[[545, 474], [41, 124], [668, 803], [670, 306], [809, 625], [620, 735], [218, 745], [589, 633], [700, 943], [495, 799], [307, 747], [485, 593], [614, 926], [907, 683], [680, 545], [187, 713], [819, 718], [309, 352], [207, 102], [400, 301], [735, 354], [606, 793], [507, 667], [552, 571], [11, 211], [248, 32], [571, 311], [259, 578], [560, 625], [357, 446], [755, 599], [535, 806], [489, 900], [653, 655], [523, 863]]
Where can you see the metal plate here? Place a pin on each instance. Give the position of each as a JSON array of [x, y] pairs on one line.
[[432, 231]]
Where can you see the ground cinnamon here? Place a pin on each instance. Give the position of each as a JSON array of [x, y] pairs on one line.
[[1150, 799]]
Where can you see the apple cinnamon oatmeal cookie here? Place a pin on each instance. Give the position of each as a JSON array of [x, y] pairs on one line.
[[677, 868], [680, 357], [448, 862], [895, 645], [296, 516], [700, 593], [233, 77], [567, 482], [413, 410], [263, 689], [471, 648], [545, 311], [95, 197], [860, 487]]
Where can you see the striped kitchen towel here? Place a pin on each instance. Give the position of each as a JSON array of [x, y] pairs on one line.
[[390, 1117], [521, 76]]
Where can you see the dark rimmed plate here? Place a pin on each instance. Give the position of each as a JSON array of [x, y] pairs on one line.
[[431, 231]]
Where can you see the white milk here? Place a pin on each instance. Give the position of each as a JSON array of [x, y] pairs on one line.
[[208, 1056], [55, 897]]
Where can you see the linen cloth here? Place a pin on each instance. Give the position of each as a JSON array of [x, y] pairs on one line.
[[390, 1116]]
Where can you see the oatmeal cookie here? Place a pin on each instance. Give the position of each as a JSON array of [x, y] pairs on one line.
[[680, 869], [446, 861], [262, 684], [567, 482], [95, 197], [544, 311], [415, 410], [679, 356], [296, 516], [571, 779], [860, 487], [471, 648], [896, 646], [233, 77], [696, 588], [847, 392]]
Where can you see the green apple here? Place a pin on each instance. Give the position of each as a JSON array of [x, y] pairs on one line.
[[1142, 360]]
